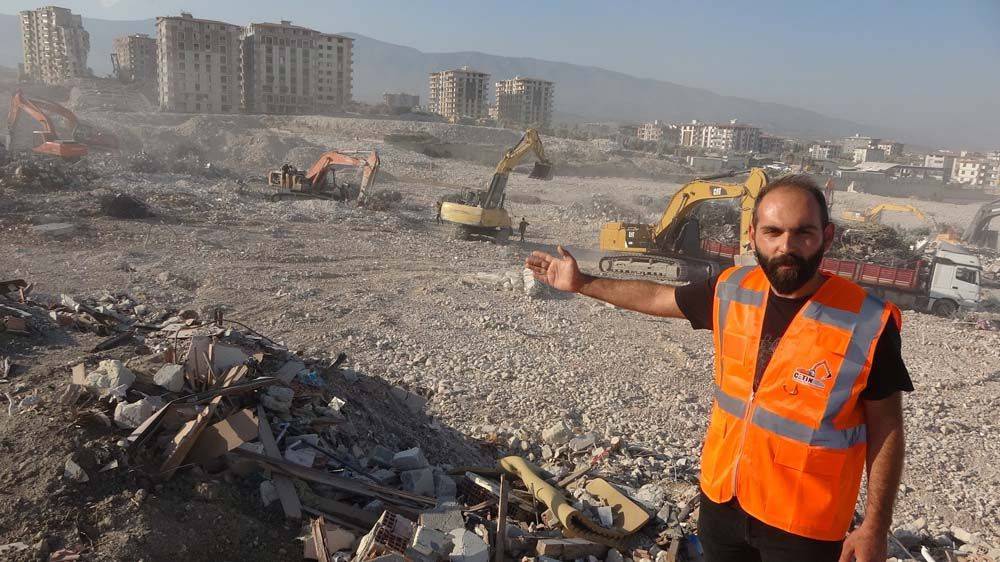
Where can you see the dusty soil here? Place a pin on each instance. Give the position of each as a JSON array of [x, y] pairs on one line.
[[392, 290]]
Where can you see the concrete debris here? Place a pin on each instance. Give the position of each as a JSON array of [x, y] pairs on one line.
[[131, 416], [110, 377], [468, 547], [75, 472], [56, 229], [419, 481], [410, 459], [170, 377], [557, 434]]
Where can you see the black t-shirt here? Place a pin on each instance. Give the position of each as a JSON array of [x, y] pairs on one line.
[[888, 373]]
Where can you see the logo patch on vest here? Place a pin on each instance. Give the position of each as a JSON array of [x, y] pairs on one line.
[[815, 377]]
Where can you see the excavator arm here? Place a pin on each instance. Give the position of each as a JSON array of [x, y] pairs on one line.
[[530, 142], [685, 201], [79, 132], [51, 145], [369, 165], [975, 232]]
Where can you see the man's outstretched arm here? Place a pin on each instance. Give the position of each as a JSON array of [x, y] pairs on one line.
[[564, 274], [884, 420]]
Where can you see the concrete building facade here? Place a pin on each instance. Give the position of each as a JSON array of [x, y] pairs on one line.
[[400, 100], [726, 137], [524, 102], [973, 171], [892, 149], [55, 45], [943, 161], [290, 69], [459, 93], [769, 144], [658, 131], [199, 64], [824, 151], [135, 58], [868, 155], [849, 144]]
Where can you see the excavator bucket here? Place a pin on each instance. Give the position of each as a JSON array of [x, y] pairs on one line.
[[541, 171]]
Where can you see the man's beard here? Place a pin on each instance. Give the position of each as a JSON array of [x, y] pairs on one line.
[[785, 281]]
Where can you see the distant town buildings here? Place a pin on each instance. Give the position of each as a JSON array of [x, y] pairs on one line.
[[55, 45], [850, 144], [459, 93], [974, 171], [524, 102], [770, 144], [217, 67], [134, 58], [652, 131], [726, 137], [400, 101], [892, 149], [824, 151], [862, 155], [944, 162]]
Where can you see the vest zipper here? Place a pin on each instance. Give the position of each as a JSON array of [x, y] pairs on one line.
[[743, 437]]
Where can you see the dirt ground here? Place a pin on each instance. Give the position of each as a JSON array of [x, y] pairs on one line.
[[393, 290]]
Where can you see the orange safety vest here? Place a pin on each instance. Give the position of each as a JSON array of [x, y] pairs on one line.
[[792, 451]]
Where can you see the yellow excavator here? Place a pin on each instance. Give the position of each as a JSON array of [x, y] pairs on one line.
[[874, 214], [672, 248], [482, 213]]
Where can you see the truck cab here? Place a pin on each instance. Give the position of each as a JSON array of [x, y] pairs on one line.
[[954, 281]]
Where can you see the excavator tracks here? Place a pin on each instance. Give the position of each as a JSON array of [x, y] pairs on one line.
[[672, 270]]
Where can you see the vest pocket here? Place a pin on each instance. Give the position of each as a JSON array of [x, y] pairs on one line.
[[810, 460]]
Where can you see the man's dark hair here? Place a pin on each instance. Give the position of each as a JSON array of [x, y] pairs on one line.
[[803, 182]]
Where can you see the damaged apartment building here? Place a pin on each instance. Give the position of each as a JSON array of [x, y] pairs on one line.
[[459, 94], [215, 67], [134, 58], [55, 45], [523, 102]]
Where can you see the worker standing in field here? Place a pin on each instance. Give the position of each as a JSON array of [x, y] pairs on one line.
[[522, 226], [808, 381]]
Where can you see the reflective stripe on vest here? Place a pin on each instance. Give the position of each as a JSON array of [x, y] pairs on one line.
[[866, 325]]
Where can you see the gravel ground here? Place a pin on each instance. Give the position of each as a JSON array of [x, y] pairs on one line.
[[405, 302]]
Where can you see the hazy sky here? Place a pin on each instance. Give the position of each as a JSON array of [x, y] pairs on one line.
[[919, 65]]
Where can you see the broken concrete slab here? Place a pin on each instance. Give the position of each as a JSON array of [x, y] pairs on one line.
[[410, 459], [583, 442], [557, 434], [131, 416], [445, 488], [55, 229], [225, 357], [288, 371], [428, 544], [570, 549], [444, 517], [303, 456], [268, 492], [111, 376], [74, 472], [381, 456], [384, 476], [170, 377], [419, 481], [468, 547]]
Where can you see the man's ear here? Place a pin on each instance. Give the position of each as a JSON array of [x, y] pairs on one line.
[[828, 233], [752, 234]]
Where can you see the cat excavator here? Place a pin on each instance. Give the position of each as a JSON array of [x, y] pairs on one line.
[[874, 214], [672, 249], [82, 137], [978, 232], [320, 180], [482, 213]]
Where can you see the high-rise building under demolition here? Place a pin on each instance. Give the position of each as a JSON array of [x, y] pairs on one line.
[[291, 69], [199, 66], [55, 44], [524, 102], [215, 67], [459, 93], [135, 58]]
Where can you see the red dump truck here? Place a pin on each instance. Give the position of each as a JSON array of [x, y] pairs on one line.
[[941, 282]]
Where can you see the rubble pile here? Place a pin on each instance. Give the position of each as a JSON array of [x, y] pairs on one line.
[[181, 159], [38, 173], [875, 242]]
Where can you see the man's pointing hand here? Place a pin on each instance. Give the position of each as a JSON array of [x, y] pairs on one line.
[[560, 273]]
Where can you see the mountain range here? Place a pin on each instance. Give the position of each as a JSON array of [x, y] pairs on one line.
[[582, 93]]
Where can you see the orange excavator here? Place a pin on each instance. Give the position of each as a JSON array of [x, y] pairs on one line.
[[82, 137], [320, 180]]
